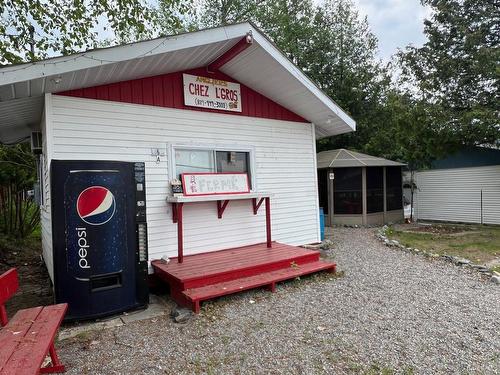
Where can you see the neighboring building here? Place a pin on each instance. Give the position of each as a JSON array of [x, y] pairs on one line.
[[134, 103], [463, 187], [359, 189]]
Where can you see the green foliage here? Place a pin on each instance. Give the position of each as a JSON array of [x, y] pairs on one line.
[[174, 16], [447, 96], [224, 12], [289, 24], [62, 26], [457, 71], [343, 62], [19, 214]]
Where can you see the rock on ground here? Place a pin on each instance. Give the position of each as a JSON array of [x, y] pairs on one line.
[[390, 311]]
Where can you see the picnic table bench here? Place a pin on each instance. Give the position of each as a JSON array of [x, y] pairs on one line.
[[27, 339]]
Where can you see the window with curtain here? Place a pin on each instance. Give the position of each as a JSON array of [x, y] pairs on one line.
[[394, 188], [347, 186], [374, 189]]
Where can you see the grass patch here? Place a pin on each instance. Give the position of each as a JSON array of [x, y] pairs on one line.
[[496, 269], [480, 244]]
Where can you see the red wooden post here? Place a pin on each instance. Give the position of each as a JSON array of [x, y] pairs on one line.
[[9, 284], [180, 240], [174, 213], [268, 221], [3, 316], [57, 366]]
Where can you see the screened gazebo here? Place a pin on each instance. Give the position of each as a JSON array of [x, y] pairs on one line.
[[359, 189]]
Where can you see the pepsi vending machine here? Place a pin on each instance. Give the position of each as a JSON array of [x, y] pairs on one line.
[[99, 237]]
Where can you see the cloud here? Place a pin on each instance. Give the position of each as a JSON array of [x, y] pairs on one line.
[[396, 23]]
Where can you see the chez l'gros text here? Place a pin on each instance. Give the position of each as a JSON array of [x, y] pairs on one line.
[[201, 88]]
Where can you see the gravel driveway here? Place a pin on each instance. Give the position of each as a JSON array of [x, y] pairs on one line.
[[391, 312]]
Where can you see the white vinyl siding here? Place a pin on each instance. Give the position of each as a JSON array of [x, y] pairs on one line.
[[45, 209], [284, 165], [455, 195]]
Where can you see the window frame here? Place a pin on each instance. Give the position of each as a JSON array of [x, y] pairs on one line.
[[172, 147]]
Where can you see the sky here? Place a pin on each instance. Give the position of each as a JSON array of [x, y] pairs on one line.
[[396, 23]]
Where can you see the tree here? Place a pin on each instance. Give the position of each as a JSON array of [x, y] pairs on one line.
[[224, 12], [175, 16], [289, 23], [343, 61], [19, 214], [456, 70], [31, 30]]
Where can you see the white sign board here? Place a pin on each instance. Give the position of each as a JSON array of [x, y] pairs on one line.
[[331, 175], [214, 183], [211, 93]]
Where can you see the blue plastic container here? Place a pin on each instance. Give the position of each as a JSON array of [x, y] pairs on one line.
[[322, 222]]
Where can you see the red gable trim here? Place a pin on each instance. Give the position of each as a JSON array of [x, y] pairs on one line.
[[167, 91]]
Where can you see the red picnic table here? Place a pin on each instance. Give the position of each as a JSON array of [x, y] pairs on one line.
[[27, 339]]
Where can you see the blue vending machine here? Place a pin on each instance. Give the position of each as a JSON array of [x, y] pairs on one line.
[[99, 237]]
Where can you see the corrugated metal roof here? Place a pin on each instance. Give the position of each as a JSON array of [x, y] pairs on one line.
[[262, 67], [342, 158]]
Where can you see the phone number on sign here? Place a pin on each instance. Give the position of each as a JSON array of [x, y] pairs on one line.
[[214, 104]]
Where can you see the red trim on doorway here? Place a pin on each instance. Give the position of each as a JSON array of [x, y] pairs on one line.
[[166, 90]]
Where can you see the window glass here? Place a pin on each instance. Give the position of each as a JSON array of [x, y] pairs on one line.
[[231, 161], [234, 161], [374, 189], [187, 161], [210, 161], [394, 188], [347, 191]]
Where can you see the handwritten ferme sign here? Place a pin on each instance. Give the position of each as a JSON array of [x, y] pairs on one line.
[[214, 183], [211, 93]]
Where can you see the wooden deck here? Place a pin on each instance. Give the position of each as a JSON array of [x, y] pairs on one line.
[[209, 275]]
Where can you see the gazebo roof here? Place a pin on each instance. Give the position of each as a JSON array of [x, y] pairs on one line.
[[342, 158]]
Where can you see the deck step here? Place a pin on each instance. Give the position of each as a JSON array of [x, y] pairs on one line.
[[222, 266], [197, 295]]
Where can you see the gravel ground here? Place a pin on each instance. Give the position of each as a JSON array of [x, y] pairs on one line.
[[390, 312]]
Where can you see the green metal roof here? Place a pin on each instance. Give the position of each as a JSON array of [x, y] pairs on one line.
[[469, 158]]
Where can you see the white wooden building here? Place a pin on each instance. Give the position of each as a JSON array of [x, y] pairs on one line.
[[461, 188], [126, 103]]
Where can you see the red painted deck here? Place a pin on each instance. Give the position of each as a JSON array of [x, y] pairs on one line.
[[209, 275]]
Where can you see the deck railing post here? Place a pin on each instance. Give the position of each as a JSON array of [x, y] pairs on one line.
[[268, 221], [180, 239]]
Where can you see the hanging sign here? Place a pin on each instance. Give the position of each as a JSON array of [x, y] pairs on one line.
[[211, 93], [214, 183]]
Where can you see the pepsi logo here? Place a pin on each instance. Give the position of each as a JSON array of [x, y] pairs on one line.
[[96, 205]]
